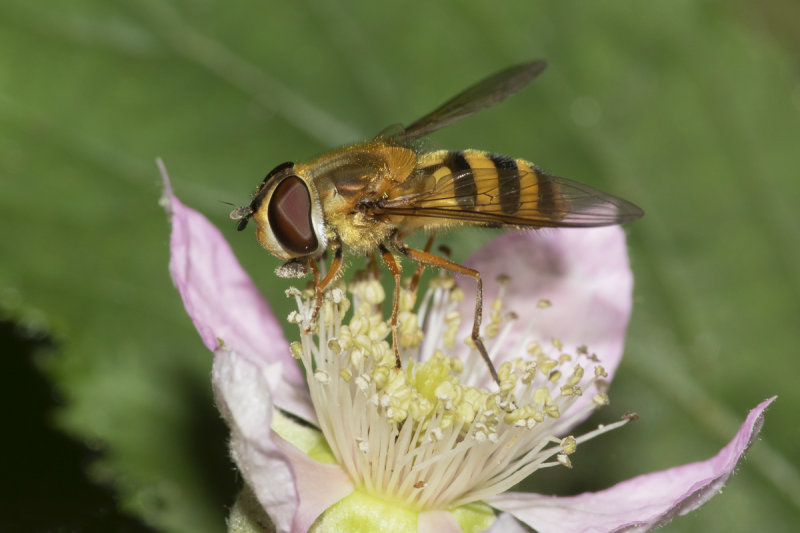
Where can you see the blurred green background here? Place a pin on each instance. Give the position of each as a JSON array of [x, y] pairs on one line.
[[690, 109]]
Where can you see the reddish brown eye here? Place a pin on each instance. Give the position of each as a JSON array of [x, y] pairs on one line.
[[289, 215]]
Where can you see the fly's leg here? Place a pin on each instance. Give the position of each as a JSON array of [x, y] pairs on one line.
[[394, 268], [321, 284], [427, 258], [420, 268]]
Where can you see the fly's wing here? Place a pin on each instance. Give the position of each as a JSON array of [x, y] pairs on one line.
[[485, 93], [511, 197]]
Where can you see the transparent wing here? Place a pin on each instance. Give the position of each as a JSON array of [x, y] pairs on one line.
[[486, 93], [510, 197]]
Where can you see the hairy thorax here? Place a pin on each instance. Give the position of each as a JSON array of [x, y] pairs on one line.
[[358, 176]]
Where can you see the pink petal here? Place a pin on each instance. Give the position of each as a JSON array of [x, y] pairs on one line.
[[320, 485], [287, 483], [583, 272], [223, 302], [641, 503], [437, 522], [506, 523]]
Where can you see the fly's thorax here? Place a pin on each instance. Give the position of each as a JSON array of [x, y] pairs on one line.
[[361, 171], [355, 175], [359, 233], [288, 214]]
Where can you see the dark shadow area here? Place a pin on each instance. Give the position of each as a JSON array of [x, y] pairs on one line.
[[44, 487], [208, 445]]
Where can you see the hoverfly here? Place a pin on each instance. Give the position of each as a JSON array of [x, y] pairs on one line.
[[370, 196]]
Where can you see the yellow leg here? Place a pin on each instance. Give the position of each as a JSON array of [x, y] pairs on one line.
[[427, 258], [321, 284], [395, 269]]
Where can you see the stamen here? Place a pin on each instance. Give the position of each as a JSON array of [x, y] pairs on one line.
[[421, 435]]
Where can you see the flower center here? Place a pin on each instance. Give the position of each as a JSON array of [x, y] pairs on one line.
[[438, 433]]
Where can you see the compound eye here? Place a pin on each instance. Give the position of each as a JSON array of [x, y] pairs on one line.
[[289, 215]]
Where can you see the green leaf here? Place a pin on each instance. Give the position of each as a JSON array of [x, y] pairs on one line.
[[681, 107]]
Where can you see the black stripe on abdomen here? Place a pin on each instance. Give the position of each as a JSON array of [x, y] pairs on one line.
[[508, 185], [464, 186]]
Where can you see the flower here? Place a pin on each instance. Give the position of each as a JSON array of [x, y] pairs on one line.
[[437, 445]]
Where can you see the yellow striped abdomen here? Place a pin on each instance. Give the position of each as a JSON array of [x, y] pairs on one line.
[[475, 181]]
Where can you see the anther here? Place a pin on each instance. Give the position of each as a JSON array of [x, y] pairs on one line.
[[564, 460], [296, 349], [569, 445], [292, 292]]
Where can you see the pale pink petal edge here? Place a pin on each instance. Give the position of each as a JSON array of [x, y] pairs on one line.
[[243, 395], [641, 503], [506, 523], [224, 303], [319, 485], [437, 522], [285, 481]]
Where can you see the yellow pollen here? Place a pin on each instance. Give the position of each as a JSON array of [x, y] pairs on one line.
[[601, 399], [381, 376], [552, 411], [577, 375], [409, 331], [541, 396], [371, 291], [296, 349], [407, 299], [547, 365], [334, 346], [569, 445]]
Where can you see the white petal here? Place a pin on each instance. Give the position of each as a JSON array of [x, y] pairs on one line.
[[506, 523], [285, 481]]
